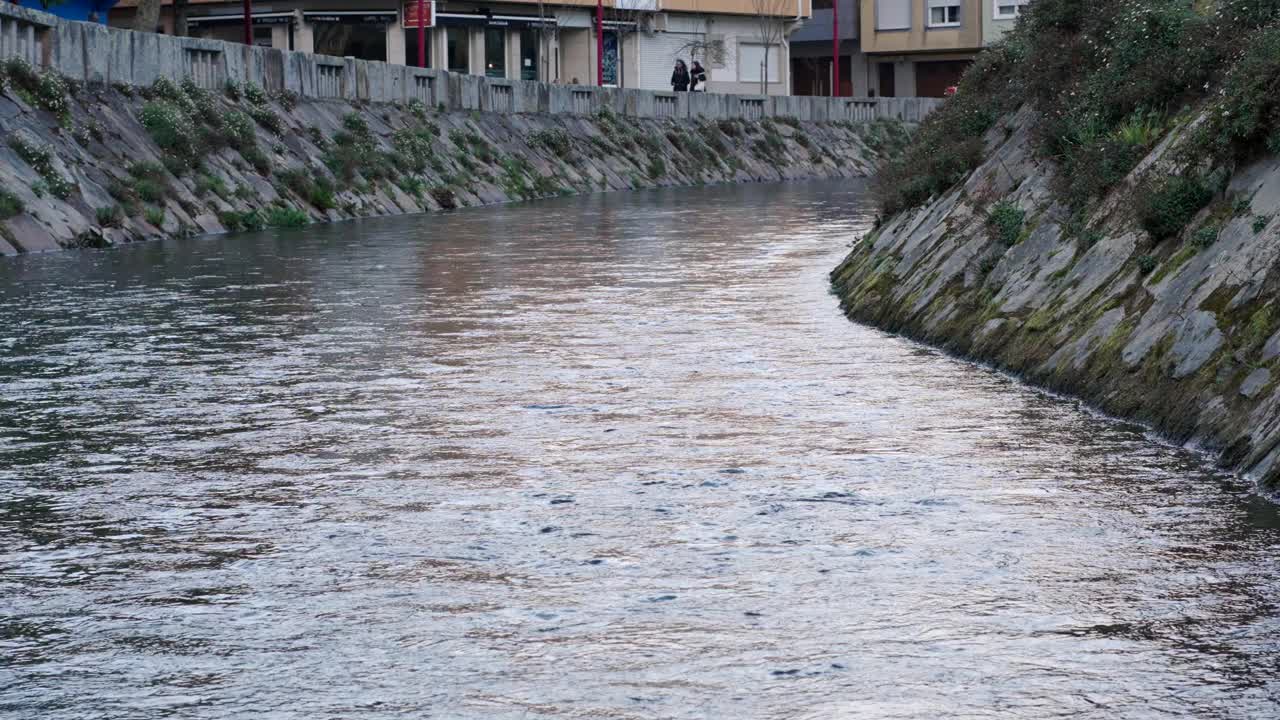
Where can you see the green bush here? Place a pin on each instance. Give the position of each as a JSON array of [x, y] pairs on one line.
[[412, 186], [10, 205], [239, 130], [1005, 220], [255, 94], [1102, 76], [1168, 204], [285, 217], [155, 216], [206, 184], [1206, 236], [657, 168], [1147, 263], [170, 127], [111, 216], [413, 148], [553, 139], [1260, 223], [248, 220]]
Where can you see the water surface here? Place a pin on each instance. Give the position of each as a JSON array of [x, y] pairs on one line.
[[607, 457]]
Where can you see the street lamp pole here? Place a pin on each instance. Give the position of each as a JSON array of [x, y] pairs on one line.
[[835, 48], [599, 42], [248, 22], [422, 33]]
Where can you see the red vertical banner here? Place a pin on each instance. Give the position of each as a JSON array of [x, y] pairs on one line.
[[248, 22], [426, 10]]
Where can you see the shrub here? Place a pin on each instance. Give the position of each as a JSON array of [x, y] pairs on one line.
[[288, 100], [237, 221], [281, 216], [729, 127], [1167, 205], [413, 148], [41, 160], [315, 189], [1147, 263], [155, 216], [238, 129], [412, 186], [10, 205], [1205, 236], [444, 197], [255, 94], [267, 118], [232, 90], [110, 216], [206, 184], [657, 168], [418, 109], [1260, 223], [553, 139], [170, 127], [1101, 76], [1005, 220]]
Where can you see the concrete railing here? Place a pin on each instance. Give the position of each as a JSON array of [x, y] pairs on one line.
[[95, 54]]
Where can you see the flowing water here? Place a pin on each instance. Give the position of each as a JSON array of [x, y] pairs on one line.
[[606, 457]]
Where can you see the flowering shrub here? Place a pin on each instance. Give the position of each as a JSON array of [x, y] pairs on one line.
[[170, 127], [41, 160]]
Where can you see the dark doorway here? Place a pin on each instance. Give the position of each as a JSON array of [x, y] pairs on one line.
[[933, 78], [887, 88]]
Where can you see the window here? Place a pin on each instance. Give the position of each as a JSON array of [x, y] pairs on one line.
[[944, 13], [1009, 9], [893, 14], [495, 52], [751, 62], [529, 40], [458, 49]]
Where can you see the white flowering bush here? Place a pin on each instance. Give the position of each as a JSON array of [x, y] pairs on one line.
[[40, 158]]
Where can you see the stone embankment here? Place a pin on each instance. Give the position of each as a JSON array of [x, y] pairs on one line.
[[111, 136], [1183, 334], [99, 167]]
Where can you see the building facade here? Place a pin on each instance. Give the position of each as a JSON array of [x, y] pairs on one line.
[[813, 46], [743, 44], [922, 47]]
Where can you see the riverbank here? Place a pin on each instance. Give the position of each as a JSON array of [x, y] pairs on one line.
[[1122, 253], [96, 167]]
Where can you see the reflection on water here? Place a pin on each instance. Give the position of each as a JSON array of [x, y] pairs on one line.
[[607, 457]]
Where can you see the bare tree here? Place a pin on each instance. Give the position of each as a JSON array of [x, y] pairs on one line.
[[148, 16], [771, 17]]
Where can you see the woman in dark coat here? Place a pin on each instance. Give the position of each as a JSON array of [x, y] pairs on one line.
[[697, 74], [680, 77]]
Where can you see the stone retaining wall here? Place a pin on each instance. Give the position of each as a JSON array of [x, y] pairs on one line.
[[100, 55]]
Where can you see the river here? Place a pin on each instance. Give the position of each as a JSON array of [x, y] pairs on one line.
[[616, 456]]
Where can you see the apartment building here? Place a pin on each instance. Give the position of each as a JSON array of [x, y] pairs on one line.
[[744, 44], [922, 47]]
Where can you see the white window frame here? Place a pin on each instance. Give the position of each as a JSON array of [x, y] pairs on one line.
[[1017, 8], [928, 19]]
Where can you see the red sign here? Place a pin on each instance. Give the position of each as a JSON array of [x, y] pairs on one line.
[[411, 13]]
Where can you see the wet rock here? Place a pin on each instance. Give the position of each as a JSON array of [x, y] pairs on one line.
[[1255, 382]]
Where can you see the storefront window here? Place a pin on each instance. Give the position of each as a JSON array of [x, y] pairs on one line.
[[495, 52], [611, 57], [411, 47], [529, 54], [459, 50]]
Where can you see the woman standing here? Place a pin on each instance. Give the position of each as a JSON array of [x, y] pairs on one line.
[[697, 74], [680, 77]]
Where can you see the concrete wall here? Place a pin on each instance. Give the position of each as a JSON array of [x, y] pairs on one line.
[[100, 55]]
